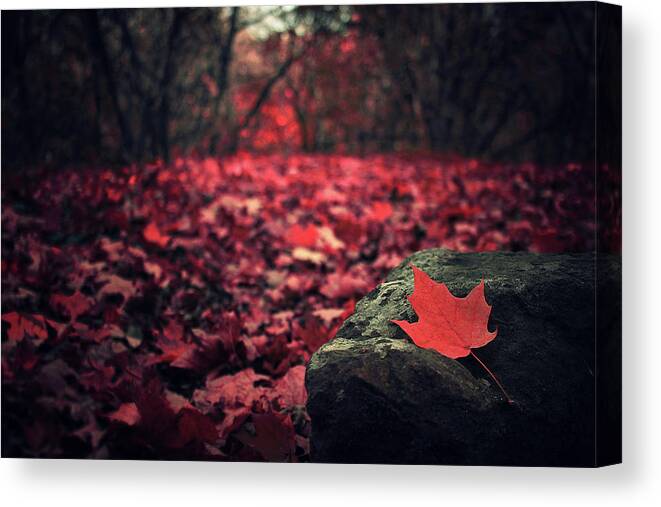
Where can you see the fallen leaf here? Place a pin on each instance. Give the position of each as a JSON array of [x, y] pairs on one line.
[[291, 387], [114, 284], [381, 211], [21, 325], [450, 325], [447, 324], [313, 332], [127, 413], [307, 255], [303, 236], [75, 305], [154, 235], [273, 438]]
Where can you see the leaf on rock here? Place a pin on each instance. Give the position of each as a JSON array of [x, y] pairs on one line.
[[450, 325]]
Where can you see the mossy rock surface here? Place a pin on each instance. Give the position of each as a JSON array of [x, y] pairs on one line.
[[375, 397]]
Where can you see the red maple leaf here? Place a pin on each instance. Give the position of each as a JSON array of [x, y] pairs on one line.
[[447, 324], [127, 413], [194, 427], [273, 437], [154, 235], [313, 332], [305, 236], [75, 305], [24, 324], [381, 211]]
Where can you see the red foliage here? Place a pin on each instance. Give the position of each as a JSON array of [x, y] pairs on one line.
[[168, 312]]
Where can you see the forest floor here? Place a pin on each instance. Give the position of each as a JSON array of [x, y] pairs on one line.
[[168, 312]]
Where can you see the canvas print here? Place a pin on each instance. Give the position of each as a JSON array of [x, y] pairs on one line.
[[338, 234]]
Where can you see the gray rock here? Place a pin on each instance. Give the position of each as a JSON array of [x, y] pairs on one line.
[[375, 397]]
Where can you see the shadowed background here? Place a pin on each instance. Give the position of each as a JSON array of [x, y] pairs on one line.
[[505, 82]]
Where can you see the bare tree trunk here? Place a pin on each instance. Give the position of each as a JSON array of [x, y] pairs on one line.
[[168, 75], [100, 51], [225, 59], [301, 117], [222, 81], [146, 126]]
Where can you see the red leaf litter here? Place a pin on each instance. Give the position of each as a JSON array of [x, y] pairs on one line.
[[168, 312]]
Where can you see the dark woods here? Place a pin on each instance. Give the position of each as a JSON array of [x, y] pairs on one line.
[[491, 81], [194, 200]]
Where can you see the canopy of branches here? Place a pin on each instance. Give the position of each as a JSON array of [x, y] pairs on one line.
[[139, 84]]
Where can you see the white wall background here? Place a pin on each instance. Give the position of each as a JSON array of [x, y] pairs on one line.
[[636, 482]]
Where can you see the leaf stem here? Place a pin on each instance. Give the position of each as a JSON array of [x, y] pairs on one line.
[[509, 400]]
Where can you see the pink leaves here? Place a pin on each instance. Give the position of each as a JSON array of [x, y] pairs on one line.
[[219, 279], [248, 394]]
